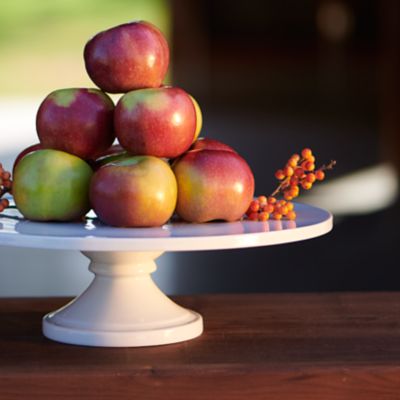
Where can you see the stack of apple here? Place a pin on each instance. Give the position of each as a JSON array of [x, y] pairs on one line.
[[160, 166]]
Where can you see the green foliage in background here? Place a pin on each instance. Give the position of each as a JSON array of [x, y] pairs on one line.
[[41, 41]]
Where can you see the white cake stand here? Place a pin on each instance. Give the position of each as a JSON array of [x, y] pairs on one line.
[[123, 307]]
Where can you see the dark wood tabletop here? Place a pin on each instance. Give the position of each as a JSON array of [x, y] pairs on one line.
[[258, 346]]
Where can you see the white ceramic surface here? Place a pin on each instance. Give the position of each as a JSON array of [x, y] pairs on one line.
[[94, 236], [122, 306]]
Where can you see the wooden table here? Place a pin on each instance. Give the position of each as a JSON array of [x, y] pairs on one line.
[[264, 346]]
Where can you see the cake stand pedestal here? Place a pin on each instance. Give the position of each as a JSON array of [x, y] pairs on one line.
[[123, 307]]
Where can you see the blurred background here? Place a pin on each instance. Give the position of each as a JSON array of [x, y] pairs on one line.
[[271, 78]]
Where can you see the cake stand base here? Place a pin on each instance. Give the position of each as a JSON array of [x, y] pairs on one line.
[[122, 307]]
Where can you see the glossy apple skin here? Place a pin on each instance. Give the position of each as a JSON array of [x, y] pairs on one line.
[[139, 191], [111, 158], [199, 118], [114, 149], [51, 185], [77, 121], [24, 152], [158, 122], [127, 57], [213, 185], [114, 153], [210, 144]]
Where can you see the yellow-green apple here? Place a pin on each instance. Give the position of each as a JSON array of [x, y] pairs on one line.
[[51, 185], [199, 118], [158, 122], [127, 57], [24, 152], [213, 185], [77, 121], [139, 191]]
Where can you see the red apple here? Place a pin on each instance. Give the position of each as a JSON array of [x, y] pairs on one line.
[[113, 153], [210, 144], [158, 122], [114, 149], [77, 121], [111, 158], [135, 192], [213, 185], [24, 152], [127, 57]]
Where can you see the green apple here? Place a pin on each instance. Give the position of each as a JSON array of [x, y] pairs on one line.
[[51, 185]]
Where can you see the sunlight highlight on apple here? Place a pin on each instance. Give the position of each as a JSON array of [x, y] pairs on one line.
[[176, 119]]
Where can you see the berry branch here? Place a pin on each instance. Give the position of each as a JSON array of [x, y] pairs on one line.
[[301, 175], [5, 187], [299, 171]]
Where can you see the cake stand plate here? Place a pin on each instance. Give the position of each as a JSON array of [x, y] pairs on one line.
[[123, 307]]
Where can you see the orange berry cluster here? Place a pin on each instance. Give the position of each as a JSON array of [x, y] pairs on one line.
[[299, 172], [5, 186], [263, 208]]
